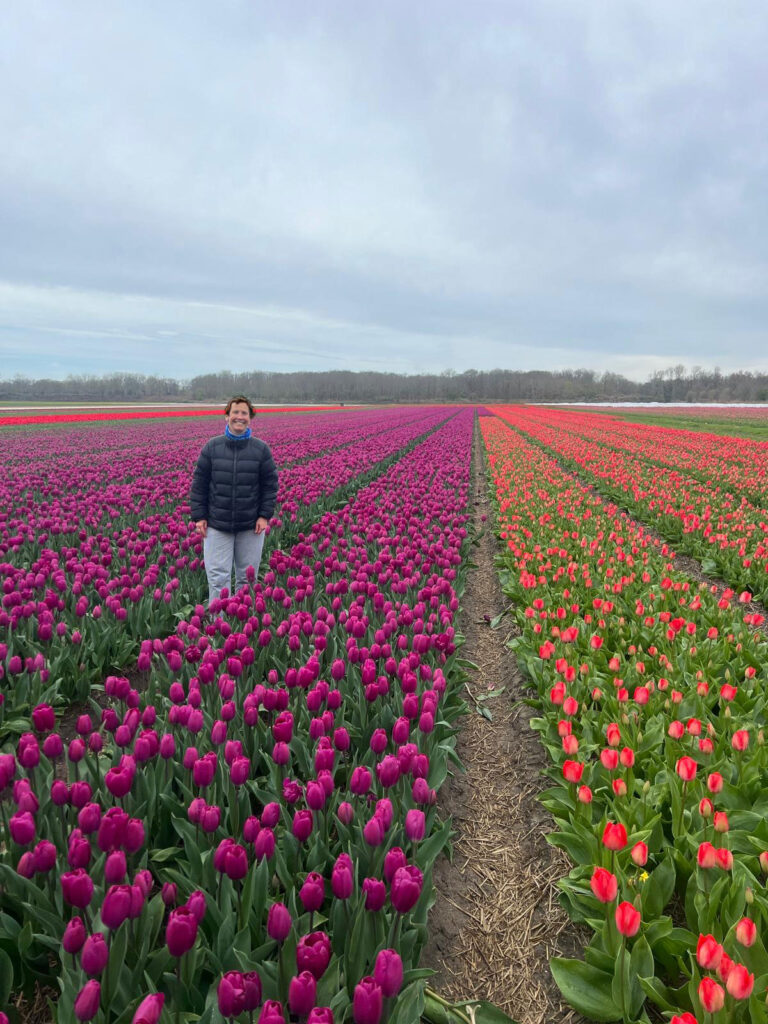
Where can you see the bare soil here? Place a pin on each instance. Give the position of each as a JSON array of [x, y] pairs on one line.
[[497, 920]]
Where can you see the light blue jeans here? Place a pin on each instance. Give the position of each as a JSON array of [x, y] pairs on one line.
[[221, 549]]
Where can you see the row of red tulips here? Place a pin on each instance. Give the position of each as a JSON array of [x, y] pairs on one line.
[[723, 528], [651, 689]]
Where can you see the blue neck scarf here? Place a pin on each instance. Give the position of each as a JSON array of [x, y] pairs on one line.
[[237, 437]]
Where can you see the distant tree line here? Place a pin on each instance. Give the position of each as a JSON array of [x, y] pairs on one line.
[[675, 385]]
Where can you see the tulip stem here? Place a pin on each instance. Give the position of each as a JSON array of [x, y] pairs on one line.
[[178, 991], [682, 810], [621, 978]]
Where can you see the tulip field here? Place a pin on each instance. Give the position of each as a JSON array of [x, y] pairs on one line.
[[232, 814]]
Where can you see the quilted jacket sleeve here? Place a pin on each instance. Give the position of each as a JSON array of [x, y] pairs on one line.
[[201, 479], [267, 485]]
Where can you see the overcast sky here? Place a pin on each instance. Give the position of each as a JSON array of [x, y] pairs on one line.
[[389, 185]]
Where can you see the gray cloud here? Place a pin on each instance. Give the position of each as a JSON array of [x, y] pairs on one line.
[[190, 185]]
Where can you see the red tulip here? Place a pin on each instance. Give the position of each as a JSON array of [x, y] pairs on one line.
[[686, 768], [746, 932], [740, 982], [604, 885], [708, 952], [711, 995], [627, 919], [614, 836]]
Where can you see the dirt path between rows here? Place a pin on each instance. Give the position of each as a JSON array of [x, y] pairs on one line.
[[497, 921]]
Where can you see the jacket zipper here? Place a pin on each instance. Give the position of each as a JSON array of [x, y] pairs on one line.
[[234, 487]]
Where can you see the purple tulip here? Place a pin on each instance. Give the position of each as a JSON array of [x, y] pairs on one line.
[[264, 844], [133, 837], [77, 888], [415, 825], [197, 904], [281, 753], [115, 867], [374, 831], [271, 1013], [393, 859], [88, 818], [270, 815], [405, 888], [87, 1001], [44, 718], [302, 825], [22, 828], [44, 857], [379, 741], [149, 1009], [181, 931], [74, 936], [210, 818], [116, 906], [320, 1015], [313, 953], [78, 850], [388, 972], [119, 779], [231, 994], [302, 993], [345, 813], [240, 770], [53, 746], [342, 877], [279, 922], [203, 771], [112, 829], [95, 954], [375, 893], [79, 794], [312, 892], [231, 859], [367, 1002], [360, 781]]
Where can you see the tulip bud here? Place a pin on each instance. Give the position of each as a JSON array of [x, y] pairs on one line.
[[149, 1009], [405, 888], [313, 953], [312, 892], [231, 994], [367, 1002], [302, 993], [74, 936], [388, 972], [95, 954], [375, 893], [627, 919], [279, 922], [181, 931], [746, 932], [87, 1001]]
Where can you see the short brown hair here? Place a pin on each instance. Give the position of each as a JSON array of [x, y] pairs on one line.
[[235, 400]]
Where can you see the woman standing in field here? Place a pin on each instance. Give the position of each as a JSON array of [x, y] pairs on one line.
[[234, 488]]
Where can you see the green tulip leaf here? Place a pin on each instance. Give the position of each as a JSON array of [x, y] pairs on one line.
[[586, 988]]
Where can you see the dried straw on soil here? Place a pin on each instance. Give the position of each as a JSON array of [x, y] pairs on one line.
[[497, 921]]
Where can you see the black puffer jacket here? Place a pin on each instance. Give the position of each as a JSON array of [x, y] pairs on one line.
[[234, 483]]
